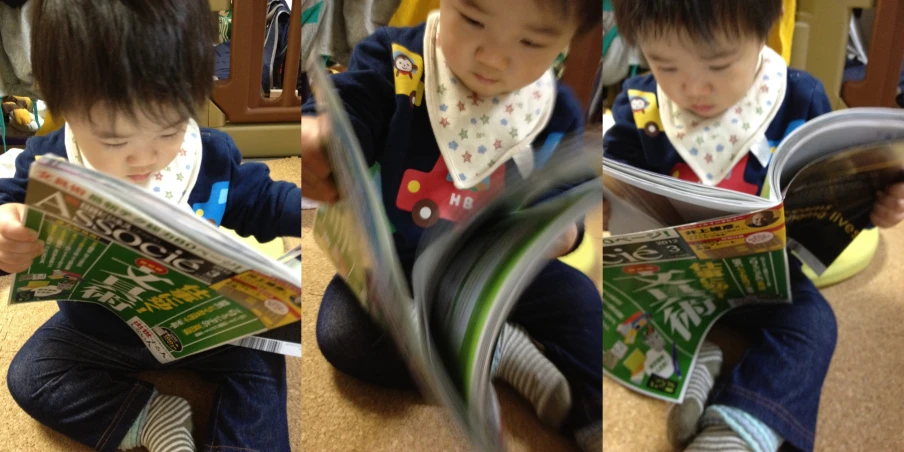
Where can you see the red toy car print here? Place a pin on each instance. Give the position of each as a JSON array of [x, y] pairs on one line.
[[431, 196]]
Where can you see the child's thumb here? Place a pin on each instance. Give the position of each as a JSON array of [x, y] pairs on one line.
[[11, 226]]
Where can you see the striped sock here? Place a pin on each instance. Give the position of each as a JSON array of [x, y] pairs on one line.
[[132, 439], [719, 438], [521, 365], [168, 425], [682, 419], [758, 436]]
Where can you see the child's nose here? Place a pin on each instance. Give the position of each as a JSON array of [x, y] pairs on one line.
[[492, 57], [142, 158], [697, 87]]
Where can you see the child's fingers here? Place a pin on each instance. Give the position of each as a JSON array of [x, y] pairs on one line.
[[11, 268], [316, 164], [885, 217], [15, 247], [11, 227], [896, 190], [14, 262], [890, 201], [317, 188]]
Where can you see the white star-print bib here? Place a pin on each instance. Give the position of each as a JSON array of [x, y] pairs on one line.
[[711, 147], [477, 135], [175, 182]]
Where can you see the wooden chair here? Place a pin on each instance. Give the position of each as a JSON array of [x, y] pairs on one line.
[[261, 127], [820, 47]]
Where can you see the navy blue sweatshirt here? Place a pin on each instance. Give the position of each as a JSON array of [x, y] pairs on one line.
[[255, 205], [389, 115]]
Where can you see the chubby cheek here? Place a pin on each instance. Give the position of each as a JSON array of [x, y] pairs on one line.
[[456, 57], [105, 162]]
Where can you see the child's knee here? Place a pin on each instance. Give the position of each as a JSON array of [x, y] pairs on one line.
[[819, 324], [827, 327], [22, 379], [576, 291], [342, 321]]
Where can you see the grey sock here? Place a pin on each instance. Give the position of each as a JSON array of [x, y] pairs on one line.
[[681, 424], [719, 438], [522, 365], [132, 439], [168, 426]]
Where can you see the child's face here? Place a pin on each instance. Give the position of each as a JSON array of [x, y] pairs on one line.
[[495, 48], [130, 149], [706, 79]]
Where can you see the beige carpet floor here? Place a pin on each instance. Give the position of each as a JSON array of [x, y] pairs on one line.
[[19, 432], [344, 414], [863, 398]]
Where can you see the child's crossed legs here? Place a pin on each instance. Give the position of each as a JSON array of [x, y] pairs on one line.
[[561, 310], [84, 388]]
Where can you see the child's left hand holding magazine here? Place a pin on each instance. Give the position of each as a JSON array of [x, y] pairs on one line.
[[565, 242], [316, 174], [889, 209], [19, 246]]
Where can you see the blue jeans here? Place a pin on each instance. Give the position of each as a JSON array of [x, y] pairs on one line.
[[561, 310], [85, 388], [779, 379]]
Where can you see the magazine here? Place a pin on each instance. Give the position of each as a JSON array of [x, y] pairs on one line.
[[181, 284], [466, 277], [681, 254]]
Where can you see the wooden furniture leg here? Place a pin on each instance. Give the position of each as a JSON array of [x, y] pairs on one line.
[[886, 55]]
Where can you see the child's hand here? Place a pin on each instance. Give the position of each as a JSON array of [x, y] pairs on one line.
[[564, 243], [889, 209], [316, 181], [18, 244]]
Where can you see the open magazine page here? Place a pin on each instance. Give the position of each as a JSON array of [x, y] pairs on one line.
[[636, 209], [180, 297], [484, 270], [664, 289], [355, 232], [339, 232], [684, 192], [356, 235], [208, 241], [831, 133], [468, 275], [828, 203]]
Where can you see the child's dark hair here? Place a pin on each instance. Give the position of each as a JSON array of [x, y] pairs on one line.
[[588, 12], [129, 55], [700, 20]]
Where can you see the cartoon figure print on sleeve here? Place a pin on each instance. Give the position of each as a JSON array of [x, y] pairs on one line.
[[408, 72], [213, 209], [646, 111], [431, 196]]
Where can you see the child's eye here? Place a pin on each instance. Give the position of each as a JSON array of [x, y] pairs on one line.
[[719, 68], [171, 135], [530, 44], [116, 145], [472, 21], [668, 69]]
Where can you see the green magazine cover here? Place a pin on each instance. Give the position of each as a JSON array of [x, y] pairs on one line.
[[681, 253], [155, 267], [664, 289]]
